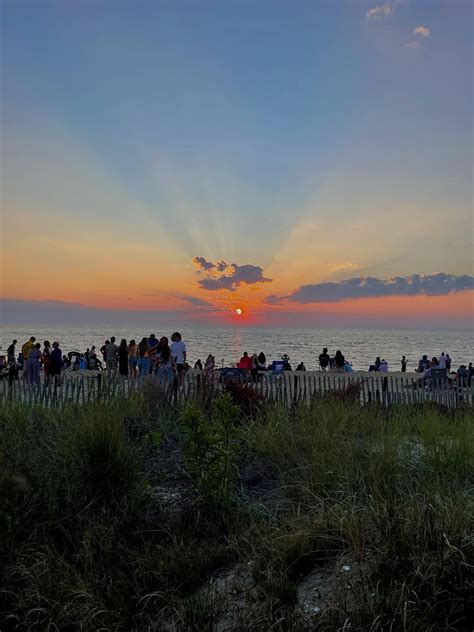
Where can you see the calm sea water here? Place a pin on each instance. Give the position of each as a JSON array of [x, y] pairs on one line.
[[227, 344]]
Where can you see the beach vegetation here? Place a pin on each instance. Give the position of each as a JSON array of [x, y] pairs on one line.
[[141, 514]]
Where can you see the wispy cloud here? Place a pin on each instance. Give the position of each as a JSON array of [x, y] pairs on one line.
[[227, 276], [369, 287], [380, 12], [346, 266], [197, 302], [422, 31]]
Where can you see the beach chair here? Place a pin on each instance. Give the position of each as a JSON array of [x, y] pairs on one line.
[[278, 367], [231, 374]]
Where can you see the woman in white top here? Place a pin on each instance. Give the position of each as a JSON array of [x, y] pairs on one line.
[[178, 353]]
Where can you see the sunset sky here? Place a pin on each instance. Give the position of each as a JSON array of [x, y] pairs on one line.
[[308, 163]]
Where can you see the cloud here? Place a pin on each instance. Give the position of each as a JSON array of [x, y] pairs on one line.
[[201, 263], [380, 12], [227, 276], [197, 302], [346, 266], [369, 287], [422, 31]]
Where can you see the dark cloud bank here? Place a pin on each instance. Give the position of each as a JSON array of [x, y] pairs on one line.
[[369, 287], [227, 276]]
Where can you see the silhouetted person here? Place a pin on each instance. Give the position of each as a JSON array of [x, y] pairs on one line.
[[324, 360]]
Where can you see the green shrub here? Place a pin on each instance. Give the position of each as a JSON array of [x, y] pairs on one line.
[[210, 450]]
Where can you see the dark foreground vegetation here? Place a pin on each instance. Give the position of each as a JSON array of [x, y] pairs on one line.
[[230, 514]]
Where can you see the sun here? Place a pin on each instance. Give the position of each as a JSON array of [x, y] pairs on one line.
[[238, 311]]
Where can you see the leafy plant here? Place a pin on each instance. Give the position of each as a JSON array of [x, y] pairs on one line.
[[210, 450]]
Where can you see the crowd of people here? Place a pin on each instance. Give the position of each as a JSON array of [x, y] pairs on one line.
[[129, 359], [168, 360]]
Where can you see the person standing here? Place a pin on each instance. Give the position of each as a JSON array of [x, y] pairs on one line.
[[103, 351], [11, 358], [404, 364], [123, 358], [143, 359], [55, 363], [33, 365], [152, 350], [112, 355], [442, 361], [178, 353], [448, 362], [25, 353], [164, 362], [133, 358], [46, 359]]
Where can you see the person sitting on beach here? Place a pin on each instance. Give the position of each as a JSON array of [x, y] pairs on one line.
[[383, 366], [11, 353], [423, 364], [301, 367], [245, 362], [324, 360], [286, 362], [377, 363], [339, 361]]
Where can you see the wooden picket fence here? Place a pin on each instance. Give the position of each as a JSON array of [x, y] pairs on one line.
[[287, 388]]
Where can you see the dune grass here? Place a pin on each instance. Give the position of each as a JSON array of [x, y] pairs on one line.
[[140, 515]]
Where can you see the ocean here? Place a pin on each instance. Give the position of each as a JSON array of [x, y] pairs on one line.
[[227, 344]]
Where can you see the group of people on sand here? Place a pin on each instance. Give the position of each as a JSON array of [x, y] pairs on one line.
[[150, 356], [167, 360], [337, 363], [32, 359], [443, 362], [257, 363]]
